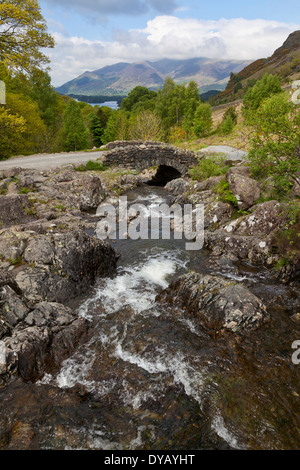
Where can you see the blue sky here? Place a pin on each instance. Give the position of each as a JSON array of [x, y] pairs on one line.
[[90, 34]]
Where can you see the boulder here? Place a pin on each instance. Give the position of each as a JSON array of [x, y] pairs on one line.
[[178, 186], [60, 266], [218, 212], [245, 189], [217, 303]]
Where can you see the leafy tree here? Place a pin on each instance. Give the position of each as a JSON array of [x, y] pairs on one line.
[[264, 88], [104, 114], [146, 125], [191, 101], [275, 146], [116, 128], [203, 120], [96, 129], [140, 98], [24, 131], [229, 120], [23, 33], [75, 133]]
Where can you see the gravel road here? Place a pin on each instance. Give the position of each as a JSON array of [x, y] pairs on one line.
[[48, 160]]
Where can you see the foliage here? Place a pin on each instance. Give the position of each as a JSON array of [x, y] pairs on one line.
[[202, 123], [177, 134], [96, 129], [287, 241], [145, 125], [22, 129], [275, 145], [116, 128], [140, 98], [229, 120], [23, 32], [91, 165], [207, 167], [266, 87], [75, 133], [225, 194]]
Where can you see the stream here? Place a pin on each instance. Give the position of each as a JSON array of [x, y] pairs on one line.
[[150, 378]]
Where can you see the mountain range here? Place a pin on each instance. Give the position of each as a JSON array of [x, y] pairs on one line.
[[121, 78]]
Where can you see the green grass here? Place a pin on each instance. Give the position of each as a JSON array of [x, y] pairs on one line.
[[91, 165]]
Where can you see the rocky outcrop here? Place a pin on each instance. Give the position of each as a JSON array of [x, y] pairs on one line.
[[47, 258], [217, 303], [15, 209], [42, 339], [58, 266]]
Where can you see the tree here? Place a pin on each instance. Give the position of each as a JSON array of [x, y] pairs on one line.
[[116, 128], [191, 101], [229, 120], [202, 120], [96, 129], [146, 125], [275, 146], [264, 88], [23, 33], [22, 129], [138, 99], [75, 133]]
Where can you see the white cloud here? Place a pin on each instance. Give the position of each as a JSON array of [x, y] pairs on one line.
[[171, 37]]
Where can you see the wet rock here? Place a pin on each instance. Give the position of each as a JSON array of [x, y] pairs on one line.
[[245, 189], [217, 303], [62, 265], [32, 350], [12, 308]]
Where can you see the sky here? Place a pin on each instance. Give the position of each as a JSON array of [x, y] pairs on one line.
[[91, 34]]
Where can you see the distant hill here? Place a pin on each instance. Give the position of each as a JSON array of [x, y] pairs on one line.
[[285, 62], [121, 78]]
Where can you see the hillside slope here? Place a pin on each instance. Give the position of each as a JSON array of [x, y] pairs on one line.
[[285, 62]]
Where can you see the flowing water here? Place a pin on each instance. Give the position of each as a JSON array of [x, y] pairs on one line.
[[150, 378]]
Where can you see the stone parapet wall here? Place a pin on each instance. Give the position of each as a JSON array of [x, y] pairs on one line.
[[144, 155]]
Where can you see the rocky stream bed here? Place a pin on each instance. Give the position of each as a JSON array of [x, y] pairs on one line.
[[142, 344]]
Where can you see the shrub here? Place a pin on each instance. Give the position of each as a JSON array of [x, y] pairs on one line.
[[225, 194], [275, 145], [91, 165], [207, 167]]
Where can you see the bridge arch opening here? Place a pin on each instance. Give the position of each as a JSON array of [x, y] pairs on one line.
[[164, 174]]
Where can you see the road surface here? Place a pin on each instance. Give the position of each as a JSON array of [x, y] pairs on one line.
[[47, 161]]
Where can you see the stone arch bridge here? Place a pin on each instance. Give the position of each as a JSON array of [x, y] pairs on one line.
[[171, 161]]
